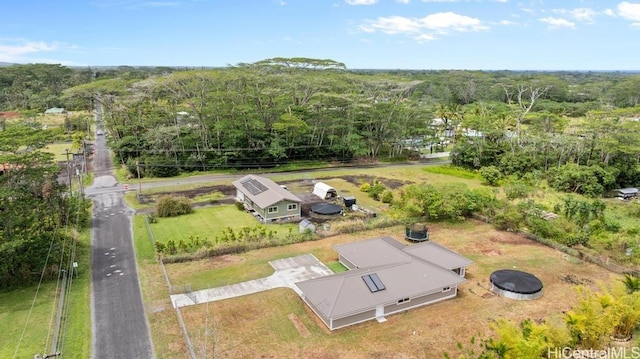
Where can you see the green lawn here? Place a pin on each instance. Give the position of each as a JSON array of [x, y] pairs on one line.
[[18, 320], [58, 151], [208, 223]]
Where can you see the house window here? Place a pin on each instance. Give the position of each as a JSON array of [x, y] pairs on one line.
[[292, 206], [404, 300], [273, 209], [446, 289]]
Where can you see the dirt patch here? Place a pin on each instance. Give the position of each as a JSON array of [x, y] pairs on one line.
[[505, 238], [302, 329], [574, 279], [491, 252], [388, 182], [227, 190], [223, 261]]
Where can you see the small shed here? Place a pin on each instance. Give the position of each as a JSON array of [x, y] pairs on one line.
[[306, 225], [324, 191]]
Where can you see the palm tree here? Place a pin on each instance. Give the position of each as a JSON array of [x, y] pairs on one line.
[[631, 282], [499, 348]]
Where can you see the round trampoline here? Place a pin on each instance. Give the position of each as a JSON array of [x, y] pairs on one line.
[[516, 284], [326, 209], [417, 232]]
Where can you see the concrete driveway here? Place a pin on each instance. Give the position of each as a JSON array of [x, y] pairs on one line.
[[288, 271]]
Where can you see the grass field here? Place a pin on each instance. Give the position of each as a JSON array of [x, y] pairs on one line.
[[208, 223], [32, 329], [58, 150], [261, 325]]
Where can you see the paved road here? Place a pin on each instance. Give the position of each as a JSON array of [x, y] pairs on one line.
[[119, 322]]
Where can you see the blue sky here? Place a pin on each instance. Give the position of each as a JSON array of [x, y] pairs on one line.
[[380, 34]]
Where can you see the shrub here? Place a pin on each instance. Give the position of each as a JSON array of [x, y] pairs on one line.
[[508, 218], [169, 206], [387, 196], [376, 190], [239, 206], [491, 175], [517, 190]]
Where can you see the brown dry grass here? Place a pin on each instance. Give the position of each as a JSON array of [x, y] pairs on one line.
[[259, 325]]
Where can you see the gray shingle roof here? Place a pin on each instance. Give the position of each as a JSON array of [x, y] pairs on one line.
[[441, 256], [263, 191], [403, 273]]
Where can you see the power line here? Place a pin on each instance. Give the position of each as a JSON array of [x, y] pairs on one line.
[[44, 268]]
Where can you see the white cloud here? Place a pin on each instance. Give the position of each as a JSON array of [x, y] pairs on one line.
[[507, 22], [444, 21], [19, 50], [609, 12], [583, 14], [403, 1], [423, 29], [361, 2], [424, 38], [440, 0], [630, 11], [556, 22], [392, 25]]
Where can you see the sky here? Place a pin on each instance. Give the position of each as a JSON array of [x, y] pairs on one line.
[[548, 35]]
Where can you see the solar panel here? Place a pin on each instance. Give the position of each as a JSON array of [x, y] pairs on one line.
[[370, 284], [376, 280], [254, 186], [373, 282]]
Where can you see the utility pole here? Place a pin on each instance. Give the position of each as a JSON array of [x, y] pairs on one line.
[[84, 154], [61, 299], [139, 181], [80, 182], [69, 171]]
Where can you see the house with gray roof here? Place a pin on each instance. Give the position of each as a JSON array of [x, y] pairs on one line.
[[267, 200], [384, 277], [54, 111]]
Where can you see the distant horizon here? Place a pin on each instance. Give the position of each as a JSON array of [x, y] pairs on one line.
[[473, 35], [347, 68]]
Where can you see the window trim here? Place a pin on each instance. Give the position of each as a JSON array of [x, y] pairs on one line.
[[292, 207], [272, 209]]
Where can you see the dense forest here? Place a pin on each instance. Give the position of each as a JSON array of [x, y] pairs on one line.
[[566, 126]]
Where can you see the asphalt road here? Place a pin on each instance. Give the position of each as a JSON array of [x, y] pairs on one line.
[[119, 322]]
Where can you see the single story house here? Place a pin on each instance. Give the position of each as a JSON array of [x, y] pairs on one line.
[[54, 111], [384, 277], [266, 199], [626, 193], [324, 191]]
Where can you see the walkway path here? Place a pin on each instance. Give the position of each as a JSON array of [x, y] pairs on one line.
[[288, 271]]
